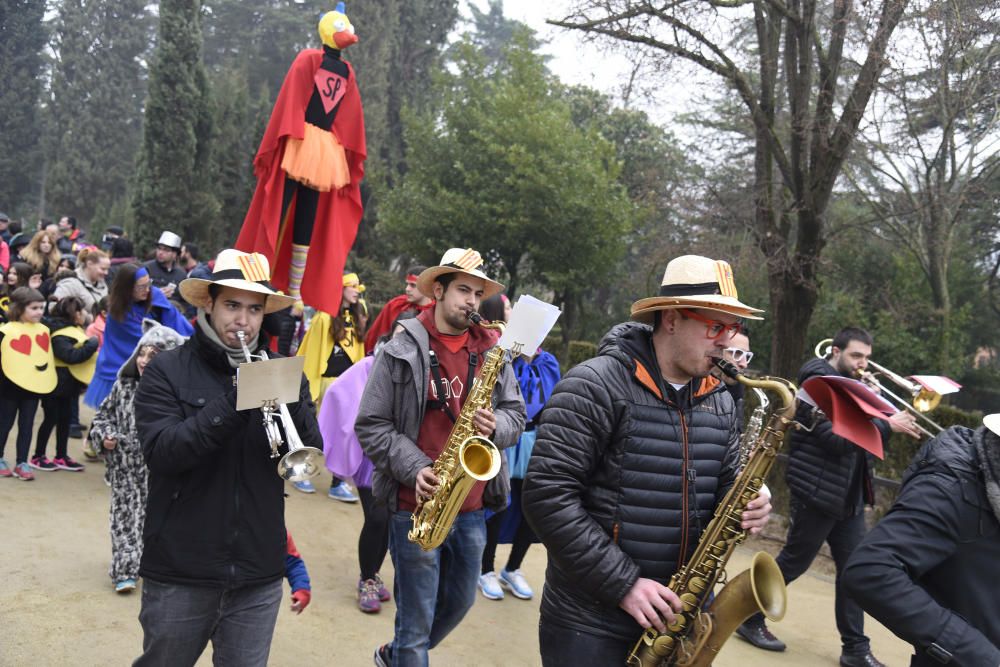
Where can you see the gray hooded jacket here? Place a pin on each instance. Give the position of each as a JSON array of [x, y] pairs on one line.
[[392, 410]]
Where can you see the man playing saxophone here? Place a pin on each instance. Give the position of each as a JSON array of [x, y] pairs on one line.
[[417, 388], [635, 449]]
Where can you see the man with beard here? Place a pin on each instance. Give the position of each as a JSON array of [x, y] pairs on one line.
[[214, 538], [418, 385], [830, 480], [635, 449]]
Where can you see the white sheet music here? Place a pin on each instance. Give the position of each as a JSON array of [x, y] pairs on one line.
[[529, 324]]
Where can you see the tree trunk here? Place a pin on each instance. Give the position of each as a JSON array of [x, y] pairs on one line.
[[792, 302]]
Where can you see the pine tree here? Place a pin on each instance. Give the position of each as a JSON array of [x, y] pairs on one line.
[[22, 37], [173, 185], [96, 107]]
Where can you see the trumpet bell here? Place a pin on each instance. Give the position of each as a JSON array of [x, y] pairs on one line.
[[300, 464]]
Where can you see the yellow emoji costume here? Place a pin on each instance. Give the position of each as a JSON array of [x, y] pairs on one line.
[[26, 356], [83, 371]]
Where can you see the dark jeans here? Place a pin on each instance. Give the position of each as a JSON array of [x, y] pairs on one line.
[[807, 531], [178, 622], [373, 543], [58, 415], [23, 411], [523, 537], [565, 647], [433, 589]]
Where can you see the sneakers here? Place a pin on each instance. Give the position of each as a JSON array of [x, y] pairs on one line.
[[66, 463], [4, 469], [757, 634], [89, 452], [76, 431], [42, 463], [490, 586], [383, 656], [305, 486], [125, 586], [383, 593], [23, 471], [368, 599], [516, 583], [859, 660], [343, 493]]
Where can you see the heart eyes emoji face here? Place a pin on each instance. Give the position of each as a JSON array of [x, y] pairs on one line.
[[26, 355]]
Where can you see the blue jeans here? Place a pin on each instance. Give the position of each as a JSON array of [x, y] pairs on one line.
[[433, 589], [178, 622]]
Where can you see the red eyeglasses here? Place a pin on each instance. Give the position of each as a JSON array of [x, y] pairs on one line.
[[713, 328]]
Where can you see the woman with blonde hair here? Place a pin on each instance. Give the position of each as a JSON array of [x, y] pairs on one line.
[[43, 256]]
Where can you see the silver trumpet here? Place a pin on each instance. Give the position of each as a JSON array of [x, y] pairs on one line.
[[301, 462]]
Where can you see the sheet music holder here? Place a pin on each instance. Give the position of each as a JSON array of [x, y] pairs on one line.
[[271, 382]]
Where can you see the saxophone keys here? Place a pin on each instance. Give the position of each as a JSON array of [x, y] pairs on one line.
[[690, 602]]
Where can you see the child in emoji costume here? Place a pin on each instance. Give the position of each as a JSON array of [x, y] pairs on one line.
[[307, 206], [28, 373], [75, 361]]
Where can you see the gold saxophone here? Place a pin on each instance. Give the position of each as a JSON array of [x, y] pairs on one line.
[[696, 636], [468, 457]]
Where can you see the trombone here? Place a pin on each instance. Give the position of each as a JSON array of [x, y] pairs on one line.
[[301, 462], [921, 398]]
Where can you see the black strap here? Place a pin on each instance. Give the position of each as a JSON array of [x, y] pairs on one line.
[[473, 362], [442, 387], [442, 401]]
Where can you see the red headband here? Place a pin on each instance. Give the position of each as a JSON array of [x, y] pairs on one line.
[[410, 278]]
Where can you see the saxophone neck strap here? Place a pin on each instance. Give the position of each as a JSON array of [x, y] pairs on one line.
[[441, 403]]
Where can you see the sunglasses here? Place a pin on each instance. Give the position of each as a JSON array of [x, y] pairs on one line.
[[739, 355], [713, 328]]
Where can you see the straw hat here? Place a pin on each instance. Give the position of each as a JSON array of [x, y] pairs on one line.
[[245, 271], [691, 281], [458, 260]]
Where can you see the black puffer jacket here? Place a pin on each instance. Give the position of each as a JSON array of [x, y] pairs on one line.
[[825, 471], [606, 488], [928, 571], [216, 510]]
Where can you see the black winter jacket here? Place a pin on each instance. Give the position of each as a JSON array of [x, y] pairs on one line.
[[825, 471], [625, 474], [928, 571], [216, 510]]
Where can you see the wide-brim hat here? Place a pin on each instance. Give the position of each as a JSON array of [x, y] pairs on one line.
[[170, 240], [692, 281], [247, 271], [992, 422], [458, 260]]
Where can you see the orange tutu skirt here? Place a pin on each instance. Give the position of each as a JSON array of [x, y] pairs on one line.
[[317, 160]]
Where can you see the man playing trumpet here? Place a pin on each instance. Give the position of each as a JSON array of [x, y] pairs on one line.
[[215, 538], [830, 480]]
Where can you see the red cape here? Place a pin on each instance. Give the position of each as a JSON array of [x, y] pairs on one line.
[[386, 317], [339, 212]]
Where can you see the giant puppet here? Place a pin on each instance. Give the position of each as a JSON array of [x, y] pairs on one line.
[[307, 206]]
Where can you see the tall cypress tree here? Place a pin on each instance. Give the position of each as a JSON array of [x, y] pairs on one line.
[[22, 37], [173, 184], [96, 107]]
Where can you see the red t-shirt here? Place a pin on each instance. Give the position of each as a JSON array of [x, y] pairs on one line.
[[453, 356]]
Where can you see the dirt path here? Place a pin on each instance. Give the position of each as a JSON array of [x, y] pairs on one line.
[[57, 606]]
